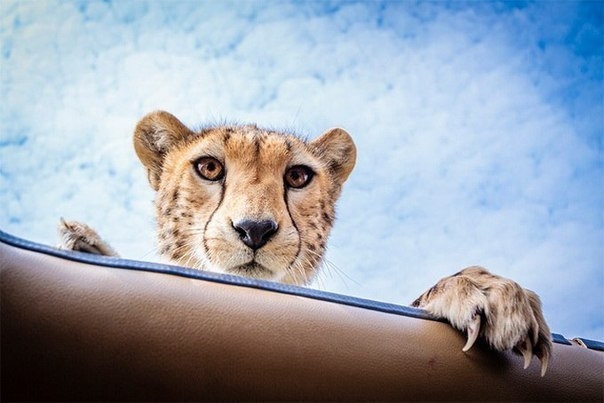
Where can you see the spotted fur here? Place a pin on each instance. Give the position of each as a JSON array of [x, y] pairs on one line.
[[196, 216], [493, 308]]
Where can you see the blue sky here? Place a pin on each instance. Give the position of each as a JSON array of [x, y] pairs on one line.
[[479, 127]]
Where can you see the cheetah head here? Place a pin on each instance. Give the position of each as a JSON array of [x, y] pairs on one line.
[[243, 200]]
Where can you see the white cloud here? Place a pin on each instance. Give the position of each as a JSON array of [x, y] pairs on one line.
[[476, 127]]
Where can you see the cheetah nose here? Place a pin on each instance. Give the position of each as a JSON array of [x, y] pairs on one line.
[[255, 234]]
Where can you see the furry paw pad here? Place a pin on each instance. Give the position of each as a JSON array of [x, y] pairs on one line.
[[498, 310], [80, 237]]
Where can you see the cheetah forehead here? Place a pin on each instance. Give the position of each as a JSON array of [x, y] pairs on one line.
[[250, 145]]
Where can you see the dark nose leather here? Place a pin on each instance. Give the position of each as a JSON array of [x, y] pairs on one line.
[[256, 234]]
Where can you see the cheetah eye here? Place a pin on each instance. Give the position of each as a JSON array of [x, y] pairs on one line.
[[298, 176], [209, 168]]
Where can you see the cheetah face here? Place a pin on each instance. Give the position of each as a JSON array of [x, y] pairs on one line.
[[243, 200]]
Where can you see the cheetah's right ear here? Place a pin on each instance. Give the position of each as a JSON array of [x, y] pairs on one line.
[[154, 136], [337, 149]]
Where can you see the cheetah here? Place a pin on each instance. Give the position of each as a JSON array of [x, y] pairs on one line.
[[243, 200]]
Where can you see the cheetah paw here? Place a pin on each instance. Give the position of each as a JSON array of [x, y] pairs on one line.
[[80, 237], [498, 310]]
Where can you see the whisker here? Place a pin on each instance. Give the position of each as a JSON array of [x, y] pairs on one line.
[[298, 268], [150, 254], [332, 268]]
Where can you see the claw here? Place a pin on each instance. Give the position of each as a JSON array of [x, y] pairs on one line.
[[473, 330], [526, 349], [544, 362], [535, 333]]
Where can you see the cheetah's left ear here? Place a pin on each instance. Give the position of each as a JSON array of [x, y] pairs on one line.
[[337, 149], [155, 135]]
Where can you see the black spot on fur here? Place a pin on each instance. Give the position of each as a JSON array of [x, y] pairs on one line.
[[431, 291], [288, 145], [257, 146]]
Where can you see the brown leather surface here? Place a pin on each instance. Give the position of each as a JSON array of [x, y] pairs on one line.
[[73, 331]]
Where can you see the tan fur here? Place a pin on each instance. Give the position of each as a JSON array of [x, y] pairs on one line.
[[513, 314], [217, 184], [195, 217], [78, 236]]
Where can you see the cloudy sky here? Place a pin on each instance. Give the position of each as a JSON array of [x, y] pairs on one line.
[[479, 128]]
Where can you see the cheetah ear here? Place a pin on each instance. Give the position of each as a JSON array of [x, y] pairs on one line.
[[337, 149], [154, 136]]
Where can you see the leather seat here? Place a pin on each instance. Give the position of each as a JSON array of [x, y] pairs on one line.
[[82, 327]]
